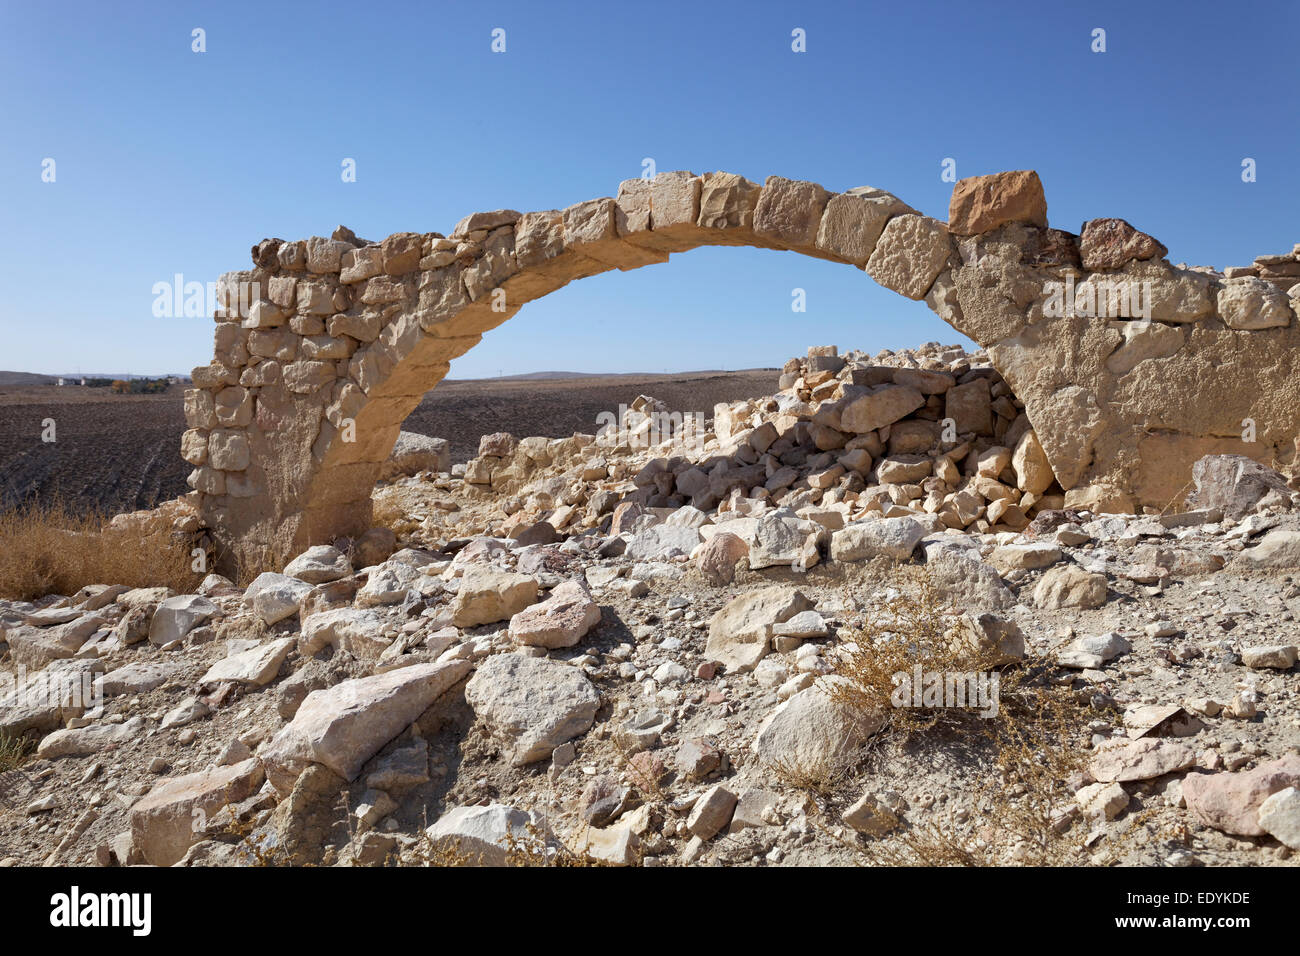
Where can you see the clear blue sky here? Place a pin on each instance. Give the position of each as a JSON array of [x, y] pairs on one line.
[[170, 161]]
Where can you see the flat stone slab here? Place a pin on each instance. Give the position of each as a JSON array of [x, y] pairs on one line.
[[343, 726]]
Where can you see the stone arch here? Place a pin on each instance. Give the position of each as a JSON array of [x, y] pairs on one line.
[[326, 345]]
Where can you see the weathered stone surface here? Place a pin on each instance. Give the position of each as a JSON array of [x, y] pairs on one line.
[[92, 739], [274, 597], [487, 596], [562, 620], [1235, 485], [854, 220], [179, 615], [894, 538], [1280, 548], [993, 640], [532, 704], [358, 631], [970, 407], [968, 581], [790, 211], [784, 539], [1249, 303], [1231, 801], [319, 564], [255, 667], [1278, 656], [64, 690], [138, 677], [1142, 759], [740, 634], [1105, 800], [868, 815], [172, 817], [345, 725], [415, 453], [663, 541], [1033, 470], [1142, 341], [982, 203], [389, 583], [485, 835], [879, 408], [717, 558], [1279, 816], [712, 812], [910, 255], [1110, 243], [1070, 586], [811, 734]]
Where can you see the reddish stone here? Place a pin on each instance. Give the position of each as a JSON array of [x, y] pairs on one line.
[[982, 203], [1230, 801], [1110, 243]]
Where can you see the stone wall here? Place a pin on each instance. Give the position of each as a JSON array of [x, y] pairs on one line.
[[326, 345]]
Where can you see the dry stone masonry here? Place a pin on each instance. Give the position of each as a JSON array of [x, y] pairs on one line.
[[1129, 369]]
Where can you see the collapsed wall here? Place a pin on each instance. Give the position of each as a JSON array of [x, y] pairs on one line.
[[944, 437], [1129, 369]]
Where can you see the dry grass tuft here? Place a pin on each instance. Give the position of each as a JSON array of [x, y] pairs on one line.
[[14, 752], [47, 549], [1018, 807]]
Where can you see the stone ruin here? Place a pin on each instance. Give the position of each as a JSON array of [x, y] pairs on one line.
[[1129, 369]]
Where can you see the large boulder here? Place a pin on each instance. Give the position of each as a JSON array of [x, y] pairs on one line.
[[967, 580], [531, 704], [177, 616], [319, 564], [275, 597], [814, 735], [876, 409], [1280, 548], [255, 667], [486, 835], [361, 632], [782, 538], [1111, 243], [982, 203], [1070, 586], [661, 542], [1231, 801], [717, 558]]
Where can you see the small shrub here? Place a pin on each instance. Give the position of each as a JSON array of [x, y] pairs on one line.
[[14, 752], [1018, 758]]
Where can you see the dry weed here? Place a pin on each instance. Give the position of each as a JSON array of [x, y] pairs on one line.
[[1018, 808], [47, 549]]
